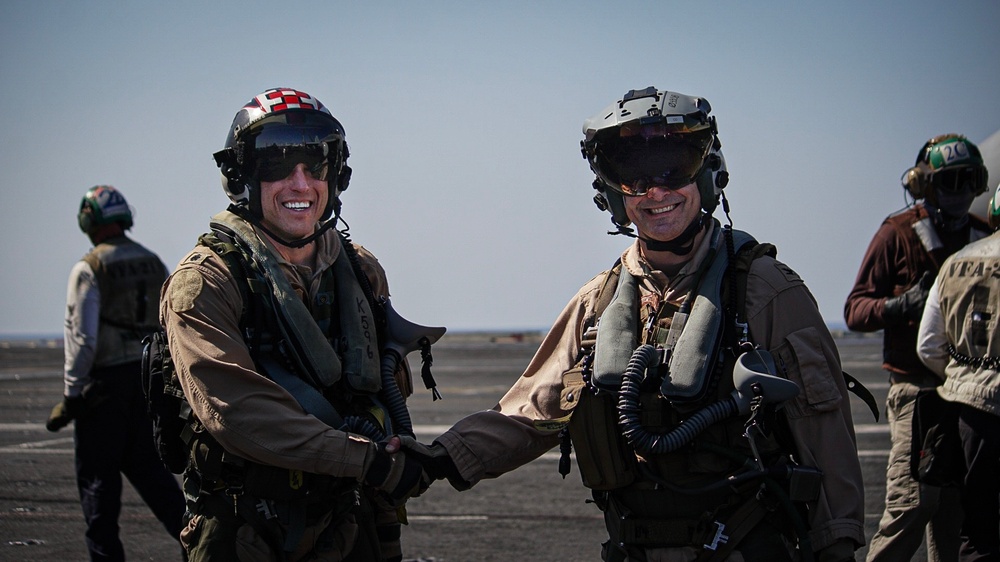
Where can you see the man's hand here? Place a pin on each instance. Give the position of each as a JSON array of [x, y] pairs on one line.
[[435, 460], [908, 306], [396, 473], [65, 412]]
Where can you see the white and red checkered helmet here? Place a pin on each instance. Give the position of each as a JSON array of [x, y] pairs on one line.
[[281, 117]]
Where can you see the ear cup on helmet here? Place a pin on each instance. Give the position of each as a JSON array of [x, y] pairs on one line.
[[229, 168], [611, 201], [914, 181], [616, 204], [85, 219], [713, 179]]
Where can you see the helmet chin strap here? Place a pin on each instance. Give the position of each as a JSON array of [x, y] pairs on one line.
[[246, 215], [683, 244]]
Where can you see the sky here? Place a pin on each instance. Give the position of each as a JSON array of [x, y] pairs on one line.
[[464, 120]]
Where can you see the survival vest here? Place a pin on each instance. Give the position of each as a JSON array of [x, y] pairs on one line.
[[648, 499], [334, 399], [327, 356], [592, 380], [129, 278]]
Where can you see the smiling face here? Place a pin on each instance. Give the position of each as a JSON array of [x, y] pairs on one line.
[[663, 214], [292, 206]]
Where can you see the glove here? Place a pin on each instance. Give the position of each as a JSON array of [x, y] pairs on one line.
[[435, 460], [840, 551], [65, 412], [395, 473], [908, 306]]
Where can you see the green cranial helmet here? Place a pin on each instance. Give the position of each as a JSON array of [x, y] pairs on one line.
[[651, 138], [994, 209], [952, 150], [101, 205], [948, 163]]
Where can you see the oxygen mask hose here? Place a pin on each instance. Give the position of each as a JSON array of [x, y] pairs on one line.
[[629, 411], [751, 378], [403, 337]]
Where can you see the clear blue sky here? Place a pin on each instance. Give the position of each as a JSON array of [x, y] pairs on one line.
[[464, 120]]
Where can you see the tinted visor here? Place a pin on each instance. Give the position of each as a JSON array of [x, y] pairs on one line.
[[294, 128], [283, 141], [277, 163], [957, 180], [636, 158]]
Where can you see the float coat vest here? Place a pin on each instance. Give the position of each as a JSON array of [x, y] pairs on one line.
[[129, 278]]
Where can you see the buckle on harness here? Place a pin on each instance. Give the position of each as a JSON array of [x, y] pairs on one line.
[[264, 508], [719, 538]]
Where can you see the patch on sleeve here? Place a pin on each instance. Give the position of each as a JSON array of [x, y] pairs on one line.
[[790, 275], [196, 257], [185, 286]]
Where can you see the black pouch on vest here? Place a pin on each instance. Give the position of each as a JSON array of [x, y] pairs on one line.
[[936, 457], [165, 402]]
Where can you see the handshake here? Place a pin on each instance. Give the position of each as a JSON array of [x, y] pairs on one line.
[[402, 467]]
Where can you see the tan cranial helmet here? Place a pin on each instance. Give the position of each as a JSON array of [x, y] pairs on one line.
[[650, 138]]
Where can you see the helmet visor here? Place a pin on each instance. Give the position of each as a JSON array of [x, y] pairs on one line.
[[295, 128], [644, 156], [283, 141], [959, 179], [276, 163]]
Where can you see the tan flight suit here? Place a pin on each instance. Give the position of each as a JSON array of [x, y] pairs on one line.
[[783, 318], [247, 413]]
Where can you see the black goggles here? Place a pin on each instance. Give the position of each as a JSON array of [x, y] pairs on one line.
[[277, 163], [957, 180], [633, 164]]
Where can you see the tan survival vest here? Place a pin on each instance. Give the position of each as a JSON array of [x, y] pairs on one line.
[[605, 459], [129, 278]]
